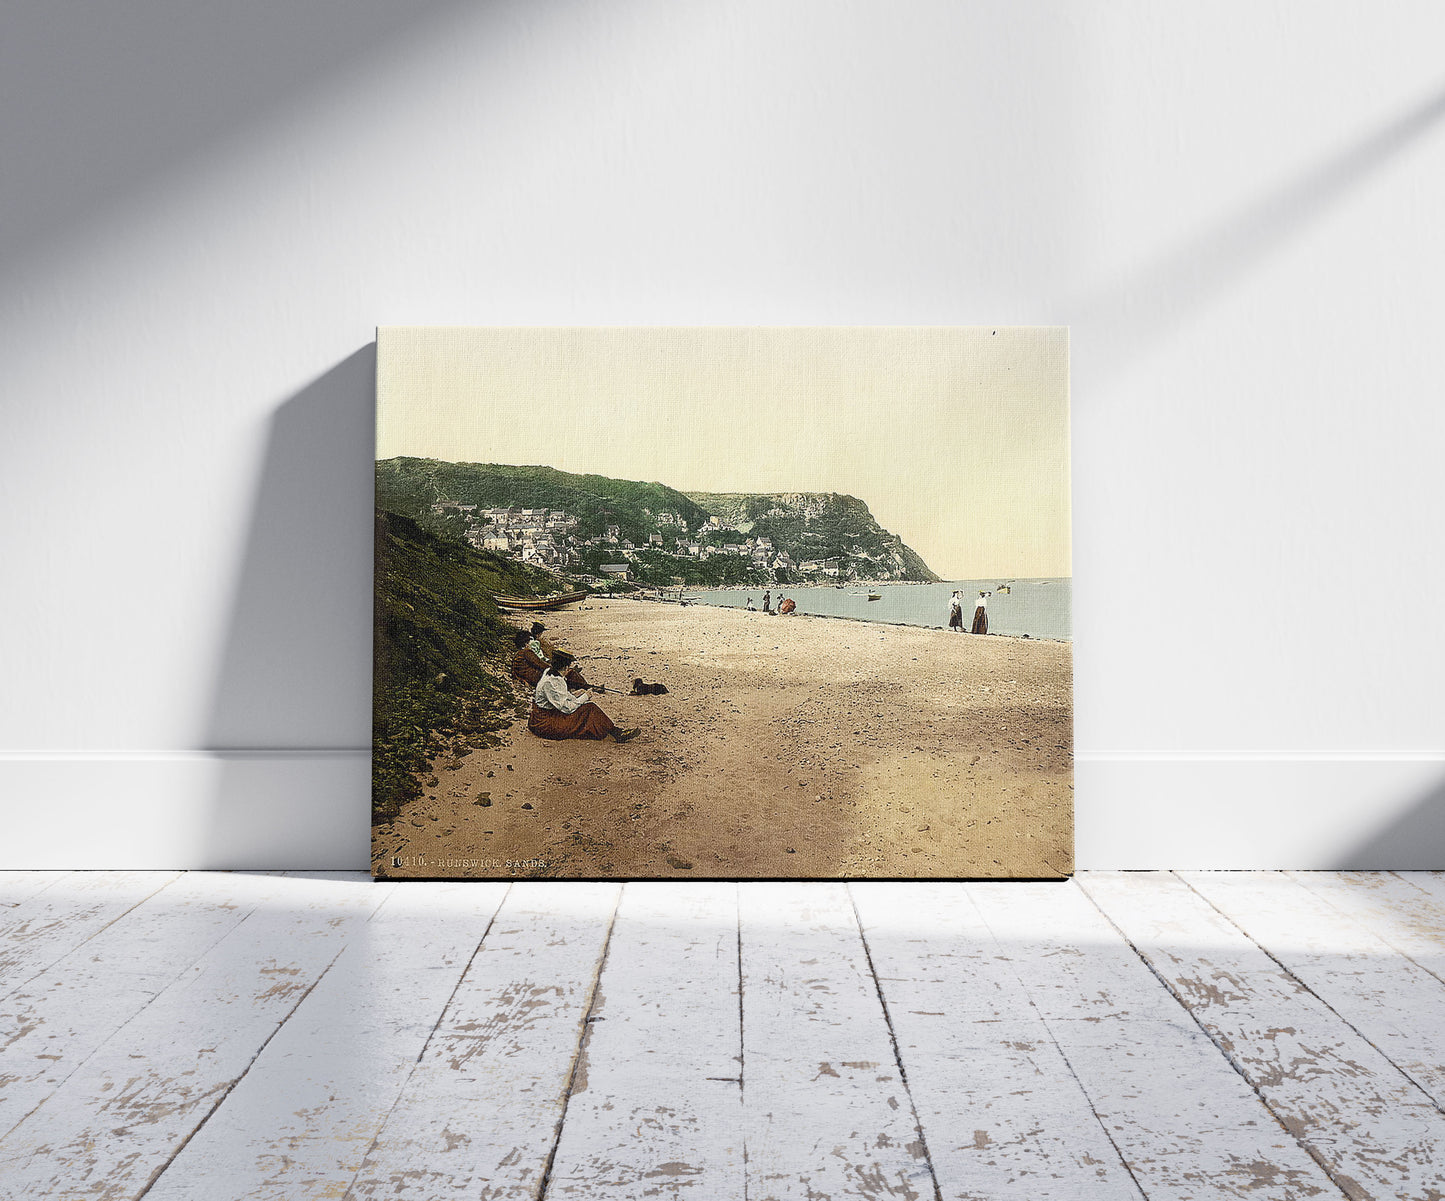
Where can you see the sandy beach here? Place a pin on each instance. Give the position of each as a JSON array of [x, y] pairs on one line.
[[786, 747]]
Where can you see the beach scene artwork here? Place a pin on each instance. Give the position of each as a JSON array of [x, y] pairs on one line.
[[728, 603]]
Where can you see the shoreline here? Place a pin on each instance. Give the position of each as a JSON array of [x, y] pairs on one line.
[[832, 616], [791, 749], [835, 617]]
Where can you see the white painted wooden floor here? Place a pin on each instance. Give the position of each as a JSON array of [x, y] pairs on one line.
[[1189, 1035]]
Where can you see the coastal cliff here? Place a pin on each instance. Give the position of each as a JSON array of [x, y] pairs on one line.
[[585, 523]]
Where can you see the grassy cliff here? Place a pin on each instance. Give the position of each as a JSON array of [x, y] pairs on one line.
[[441, 677], [807, 525], [821, 525], [411, 486]]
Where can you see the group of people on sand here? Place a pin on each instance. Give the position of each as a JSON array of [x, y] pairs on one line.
[[980, 613], [785, 604], [561, 707]]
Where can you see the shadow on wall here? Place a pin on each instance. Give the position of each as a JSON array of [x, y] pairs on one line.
[[1151, 303], [1413, 842], [290, 719], [119, 96]]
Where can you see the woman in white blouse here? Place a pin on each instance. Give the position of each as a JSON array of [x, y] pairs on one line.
[[980, 614], [558, 712]]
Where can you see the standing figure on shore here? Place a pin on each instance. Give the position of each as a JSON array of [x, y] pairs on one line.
[[980, 614], [768, 601], [955, 611], [558, 712]]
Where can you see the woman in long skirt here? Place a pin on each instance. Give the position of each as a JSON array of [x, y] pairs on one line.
[[558, 712], [526, 666], [980, 614], [530, 661]]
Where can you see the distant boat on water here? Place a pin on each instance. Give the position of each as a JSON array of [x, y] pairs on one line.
[[875, 596]]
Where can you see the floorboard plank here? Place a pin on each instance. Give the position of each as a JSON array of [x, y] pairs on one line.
[[1402, 908], [1002, 1115], [47, 925], [229, 1036], [1394, 1004], [1186, 1124], [826, 1110], [299, 1124], [124, 1114], [1432, 884], [53, 1023], [656, 1110], [1374, 1130], [480, 1113], [16, 887]]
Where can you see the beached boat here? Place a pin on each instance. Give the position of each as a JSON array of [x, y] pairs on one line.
[[540, 602]]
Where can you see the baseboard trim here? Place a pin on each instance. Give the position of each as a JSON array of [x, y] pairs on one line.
[[307, 808], [185, 756], [1322, 812], [1255, 756], [210, 809]]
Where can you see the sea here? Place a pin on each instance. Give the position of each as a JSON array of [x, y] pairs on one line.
[[1038, 608]]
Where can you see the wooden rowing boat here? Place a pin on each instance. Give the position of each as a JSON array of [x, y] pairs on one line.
[[540, 602]]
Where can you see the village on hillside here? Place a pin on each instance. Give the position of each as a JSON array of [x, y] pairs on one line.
[[549, 537]]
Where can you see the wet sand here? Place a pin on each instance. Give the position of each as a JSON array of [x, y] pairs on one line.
[[787, 747]]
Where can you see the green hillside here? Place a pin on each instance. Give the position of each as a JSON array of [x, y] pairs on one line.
[[820, 525], [412, 486], [441, 647], [809, 527]]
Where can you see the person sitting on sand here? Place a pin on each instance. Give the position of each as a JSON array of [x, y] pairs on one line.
[[955, 611], [529, 661], [558, 712], [527, 664], [542, 647], [786, 606], [750, 605], [980, 614]]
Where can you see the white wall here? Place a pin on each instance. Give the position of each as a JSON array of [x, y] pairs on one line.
[[206, 207]]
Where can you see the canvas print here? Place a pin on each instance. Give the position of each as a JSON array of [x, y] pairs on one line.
[[722, 603]]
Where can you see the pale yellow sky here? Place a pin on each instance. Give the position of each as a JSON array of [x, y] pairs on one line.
[[956, 437]]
